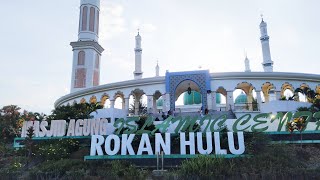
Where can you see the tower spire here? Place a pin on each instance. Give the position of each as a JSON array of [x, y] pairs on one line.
[[267, 62], [138, 62], [87, 51], [247, 64], [157, 69]]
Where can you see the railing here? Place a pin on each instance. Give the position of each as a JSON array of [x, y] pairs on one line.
[[246, 107]]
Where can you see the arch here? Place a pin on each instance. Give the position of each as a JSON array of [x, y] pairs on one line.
[[81, 58], [248, 89], [157, 94], [137, 93], [304, 85], [222, 90], [318, 89], [97, 62], [200, 78], [284, 87], [118, 94], [103, 99], [265, 88], [80, 78], [93, 99], [184, 85], [82, 101], [119, 100], [119, 103], [92, 18], [84, 18], [245, 86], [97, 28]]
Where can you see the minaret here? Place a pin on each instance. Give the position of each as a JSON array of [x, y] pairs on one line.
[[267, 62], [138, 51], [87, 51], [247, 65], [157, 69]]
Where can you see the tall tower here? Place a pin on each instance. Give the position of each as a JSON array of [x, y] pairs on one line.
[[247, 64], [138, 51], [87, 51], [157, 69], [267, 62]]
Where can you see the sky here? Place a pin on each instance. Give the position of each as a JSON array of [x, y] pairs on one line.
[[36, 58]]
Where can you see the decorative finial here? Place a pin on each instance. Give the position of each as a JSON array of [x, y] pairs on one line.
[[138, 31], [245, 53], [261, 16]]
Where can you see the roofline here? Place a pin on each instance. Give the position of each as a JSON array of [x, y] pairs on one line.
[[213, 76]]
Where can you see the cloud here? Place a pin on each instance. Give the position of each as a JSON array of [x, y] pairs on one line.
[[112, 22]]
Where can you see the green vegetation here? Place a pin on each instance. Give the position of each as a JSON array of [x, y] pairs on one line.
[[63, 158]]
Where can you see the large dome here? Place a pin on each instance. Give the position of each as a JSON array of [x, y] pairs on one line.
[[193, 98], [241, 99]]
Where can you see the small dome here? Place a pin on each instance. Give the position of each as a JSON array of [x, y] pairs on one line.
[[193, 98], [218, 98], [241, 99]]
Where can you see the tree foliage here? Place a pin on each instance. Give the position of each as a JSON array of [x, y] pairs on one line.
[[75, 111]]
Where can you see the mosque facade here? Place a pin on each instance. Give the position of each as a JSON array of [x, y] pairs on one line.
[[259, 91]]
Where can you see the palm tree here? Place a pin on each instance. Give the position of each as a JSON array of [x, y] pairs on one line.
[[142, 108], [309, 93]]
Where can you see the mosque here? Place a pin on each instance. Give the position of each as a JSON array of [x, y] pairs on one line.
[[228, 92]]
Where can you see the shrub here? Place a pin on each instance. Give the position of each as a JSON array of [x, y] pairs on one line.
[[56, 169], [56, 149], [124, 169], [205, 166]]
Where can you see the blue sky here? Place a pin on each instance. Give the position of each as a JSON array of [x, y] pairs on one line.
[[181, 34]]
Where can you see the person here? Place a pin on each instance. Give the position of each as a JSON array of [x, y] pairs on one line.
[[206, 111], [163, 116]]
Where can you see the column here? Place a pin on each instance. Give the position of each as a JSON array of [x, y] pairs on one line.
[[259, 101], [136, 106], [250, 101], [154, 105], [112, 103], [214, 100], [150, 103], [278, 95], [230, 103], [209, 101], [166, 103], [126, 105]]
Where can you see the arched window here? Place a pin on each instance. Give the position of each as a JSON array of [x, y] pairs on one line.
[[84, 18], [81, 57], [80, 78], [96, 78], [97, 63], [91, 22], [97, 28]]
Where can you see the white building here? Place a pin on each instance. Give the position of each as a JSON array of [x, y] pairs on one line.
[[261, 91]]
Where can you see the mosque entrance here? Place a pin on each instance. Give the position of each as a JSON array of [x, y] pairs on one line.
[[191, 82]]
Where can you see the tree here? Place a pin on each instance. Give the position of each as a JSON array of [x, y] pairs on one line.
[[75, 111], [28, 144], [9, 117], [142, 108], [309, 93], [312, 97]]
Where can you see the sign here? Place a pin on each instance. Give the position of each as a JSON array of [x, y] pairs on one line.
[[88, 127], [114, 144]]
